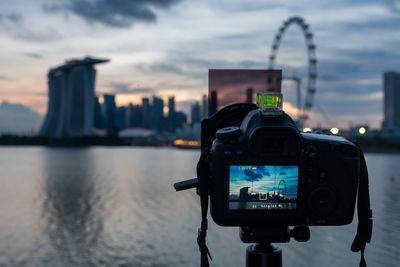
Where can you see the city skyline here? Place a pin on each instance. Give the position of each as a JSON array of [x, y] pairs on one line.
[[160, 53], [75, 110]]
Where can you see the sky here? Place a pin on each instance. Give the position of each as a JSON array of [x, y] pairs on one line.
[[166, 48]]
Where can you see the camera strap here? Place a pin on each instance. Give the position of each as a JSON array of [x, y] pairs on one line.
[[203, 176], [364, 212]]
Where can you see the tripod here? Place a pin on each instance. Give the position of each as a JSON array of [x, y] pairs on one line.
[[263, 254]]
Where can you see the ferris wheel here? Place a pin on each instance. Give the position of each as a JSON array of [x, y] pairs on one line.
[[303, 108], [282, 189]]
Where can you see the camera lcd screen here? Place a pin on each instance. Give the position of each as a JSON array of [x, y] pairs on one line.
[[267, 187]]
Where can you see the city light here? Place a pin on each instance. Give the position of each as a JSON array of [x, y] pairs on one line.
[[188, 143], [362, 130], [334, 130], [307, 130]]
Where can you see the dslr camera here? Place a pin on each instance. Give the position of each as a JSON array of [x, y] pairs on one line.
[[264, 172], [261, 173]]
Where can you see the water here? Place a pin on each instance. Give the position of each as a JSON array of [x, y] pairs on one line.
[[117, 207]]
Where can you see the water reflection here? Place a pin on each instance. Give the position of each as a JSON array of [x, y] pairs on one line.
[[71, 206]]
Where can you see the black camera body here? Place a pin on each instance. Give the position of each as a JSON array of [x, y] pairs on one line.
[[300, 178]]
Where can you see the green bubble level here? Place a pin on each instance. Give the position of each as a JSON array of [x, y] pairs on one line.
[[267, 100]]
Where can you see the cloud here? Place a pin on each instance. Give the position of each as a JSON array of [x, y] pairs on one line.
[[113, 13], [18, 119], [393, 5], [10, 18], [127, 88], [37, 93], [34, 55], [192, 67], [13, 24], [160, 67], [252, 176], [263, 170]]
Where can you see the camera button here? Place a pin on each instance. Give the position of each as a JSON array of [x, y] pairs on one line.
[[322, 201], [312, 152]]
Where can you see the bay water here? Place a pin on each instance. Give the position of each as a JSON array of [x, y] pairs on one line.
[[116, 206]]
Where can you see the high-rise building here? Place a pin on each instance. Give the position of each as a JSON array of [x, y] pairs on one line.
[[134, 116], [195, 112], [98, 114], [146, 113], [391, 87], [109, 111], [120, 118], [213, 103], [204, 107], [157, 115], [171, 114], [180, 119], [71, 105]]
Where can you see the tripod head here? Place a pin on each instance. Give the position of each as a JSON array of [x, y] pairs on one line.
[[279, 234], [263, 254]]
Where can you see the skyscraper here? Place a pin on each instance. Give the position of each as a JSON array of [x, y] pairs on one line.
[[180, 119], [134, 116], [391, 87], [98, 115], [204, 107], [171, 114], [213, 102], [120, 118], [157, 115], [109, 111], [146, 113], [195, 112], [71, 105]]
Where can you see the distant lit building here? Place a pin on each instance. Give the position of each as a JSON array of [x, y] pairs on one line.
[[120, 118], [171, 114], [391, 87], [71, 105], [146, 113], [180, 119], [195, 112], [109, 111], [157, 114], [134, 116], [204, 107], [98, 114], [213, 103]]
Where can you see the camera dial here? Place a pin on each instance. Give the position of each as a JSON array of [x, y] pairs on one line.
[[228, 134]]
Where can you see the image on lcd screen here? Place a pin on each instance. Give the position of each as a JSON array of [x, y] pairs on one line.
[[263, 187]]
